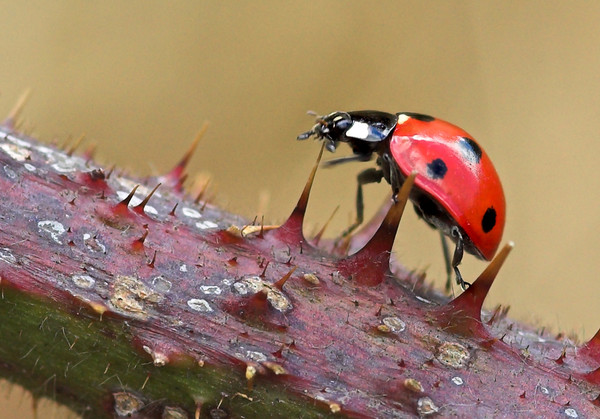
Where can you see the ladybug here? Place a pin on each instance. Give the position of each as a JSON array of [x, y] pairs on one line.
[[457, 190]]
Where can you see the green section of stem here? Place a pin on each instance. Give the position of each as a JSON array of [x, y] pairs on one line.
[[79, 360]]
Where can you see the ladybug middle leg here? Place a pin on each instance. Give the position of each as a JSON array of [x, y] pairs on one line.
[[371, 175]]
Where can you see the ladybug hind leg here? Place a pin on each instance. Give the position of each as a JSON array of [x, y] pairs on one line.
[[456, 258], [371, 175]]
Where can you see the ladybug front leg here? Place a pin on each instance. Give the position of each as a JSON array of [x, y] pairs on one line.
[[371, 175], [457, 258]]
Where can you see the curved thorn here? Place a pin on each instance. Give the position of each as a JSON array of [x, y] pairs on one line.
[[175, 176], [464, 312], [370, 264], [140, 207], [13, 115], [291, 230], [129, 197], [279, 284], [75, 145], [319, 235]]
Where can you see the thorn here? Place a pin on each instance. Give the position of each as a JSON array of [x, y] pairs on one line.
[[591, 348], [201, 193], [89, 153], [463, 314], [279, 284], [357, 240], [262, 275], [139, 243], [561, 358], [290, 231], [125, 203], [140, 207], [15, 112], [111, 170], [172, 213], [77, 143], [151, 264], [176, 177], [370, 264], [319, 235]]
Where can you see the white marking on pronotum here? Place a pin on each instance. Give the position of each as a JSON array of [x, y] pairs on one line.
[[54, 228], [29, 167], [359, 130]]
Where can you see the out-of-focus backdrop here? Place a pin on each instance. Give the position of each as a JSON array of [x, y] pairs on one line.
[[140, 77]]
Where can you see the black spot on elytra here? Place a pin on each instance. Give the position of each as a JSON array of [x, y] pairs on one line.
[[470, 149], [489, 220], [437, 169], [419, 116]]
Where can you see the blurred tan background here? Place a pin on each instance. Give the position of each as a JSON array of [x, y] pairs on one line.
[[140, 77]]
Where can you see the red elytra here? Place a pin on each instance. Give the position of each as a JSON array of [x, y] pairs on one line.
[[470, 189], [457, 188]]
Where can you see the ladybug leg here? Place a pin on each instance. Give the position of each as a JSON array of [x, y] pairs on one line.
[[457, 258], [393, 177], [447, 262], [371, 175]]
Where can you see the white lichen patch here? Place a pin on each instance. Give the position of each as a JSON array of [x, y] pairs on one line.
[[210, 289], [83, 281], [10, 173], [17, 141], [161, 284], [66, 164], [204, 225], [131, 296], [227, 281], [52, 228], [571, 413], [199, 304], [7, 256], [93, 244], [394, 324], [190, 212], [256, 356], [453, 355], [426, 406], [457, 381], [255, 284], [15, 152]]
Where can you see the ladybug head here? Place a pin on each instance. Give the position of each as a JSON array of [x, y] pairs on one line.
[[331, 128]]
